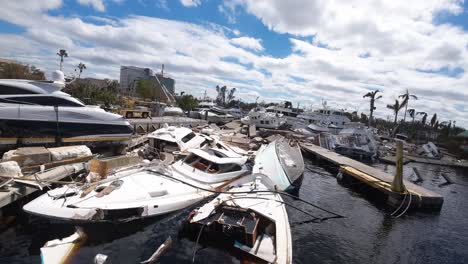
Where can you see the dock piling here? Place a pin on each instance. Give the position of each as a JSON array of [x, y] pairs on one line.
[[397, 183]]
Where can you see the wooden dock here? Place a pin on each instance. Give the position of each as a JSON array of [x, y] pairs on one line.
[[147, 125], [417, 197]]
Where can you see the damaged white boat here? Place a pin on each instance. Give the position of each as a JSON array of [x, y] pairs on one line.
[[263, 119], [176, 139], [145, 191], [249, 218], [282, 162]]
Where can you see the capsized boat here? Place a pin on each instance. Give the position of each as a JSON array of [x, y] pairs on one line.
[[144, 191], [248, 218], [282, 161], [216, 115]]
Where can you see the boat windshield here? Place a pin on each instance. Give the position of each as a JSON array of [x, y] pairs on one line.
[[207, 166]]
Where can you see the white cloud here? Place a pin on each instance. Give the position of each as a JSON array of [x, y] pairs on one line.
[[96, 4], [190, 3], [203, 56], [248, 43]]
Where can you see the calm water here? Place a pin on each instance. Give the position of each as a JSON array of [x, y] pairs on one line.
[[368, 234]]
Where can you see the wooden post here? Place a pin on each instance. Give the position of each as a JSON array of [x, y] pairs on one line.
[[397, 184]]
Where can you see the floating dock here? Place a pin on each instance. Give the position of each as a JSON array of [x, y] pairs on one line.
[[147, 125], [417, 197]]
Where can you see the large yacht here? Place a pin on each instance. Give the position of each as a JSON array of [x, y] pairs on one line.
[[259, 117], [38, 112], [325, 117]]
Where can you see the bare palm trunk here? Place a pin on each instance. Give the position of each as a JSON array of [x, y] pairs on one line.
[[61, 62], [406, 109]]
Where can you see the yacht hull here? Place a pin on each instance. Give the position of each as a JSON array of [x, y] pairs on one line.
[[43, 128]]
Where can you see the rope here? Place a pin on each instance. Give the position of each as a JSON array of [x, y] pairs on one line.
[[248, 192], [399, 207], [196, 244], [407, 207]]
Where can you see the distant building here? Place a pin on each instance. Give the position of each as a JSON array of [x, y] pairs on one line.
[[169, 83], [130, 74]]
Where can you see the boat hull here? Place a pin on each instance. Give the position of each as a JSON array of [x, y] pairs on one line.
[[24, 132]]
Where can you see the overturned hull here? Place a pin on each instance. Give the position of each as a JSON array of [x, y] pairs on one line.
[[282, 162]]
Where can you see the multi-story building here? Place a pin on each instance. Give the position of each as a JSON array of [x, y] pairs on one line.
[[129, 75], [169, 83]]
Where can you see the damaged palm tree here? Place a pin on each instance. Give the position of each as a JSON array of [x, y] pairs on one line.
[[405, 100], [372, 96]]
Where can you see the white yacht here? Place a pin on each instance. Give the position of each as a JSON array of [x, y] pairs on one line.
[[38, 112], [325, 117], [289, 114], [145, 190], [263, 119]]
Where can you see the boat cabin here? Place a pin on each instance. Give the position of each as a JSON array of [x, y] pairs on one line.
[[170, 139], [212, 165]]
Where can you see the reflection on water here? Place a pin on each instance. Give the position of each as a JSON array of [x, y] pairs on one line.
[[368, 234]]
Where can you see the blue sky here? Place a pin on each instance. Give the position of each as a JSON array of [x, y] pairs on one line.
[[304, 51]]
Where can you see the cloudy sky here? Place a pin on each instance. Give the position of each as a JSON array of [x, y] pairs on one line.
[[304, 51]]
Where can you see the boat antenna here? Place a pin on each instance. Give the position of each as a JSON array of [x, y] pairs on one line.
[[162, 69]]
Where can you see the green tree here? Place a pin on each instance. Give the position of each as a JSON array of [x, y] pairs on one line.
[[372, 96], [406, 97], [145, 89], [287, 104], [62, 53], [81, 67], [91, 94], [19, 71], [187, 102]]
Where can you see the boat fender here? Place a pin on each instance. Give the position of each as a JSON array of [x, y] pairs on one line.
[[339, 176], [100, 258]]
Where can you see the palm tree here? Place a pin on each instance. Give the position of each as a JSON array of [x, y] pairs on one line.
[[412, 113], [434, 121], [82, 67], [372, 97], [221, 98], [231, 95], [62, 53], [406, 97], [396, 108], [423, 120]]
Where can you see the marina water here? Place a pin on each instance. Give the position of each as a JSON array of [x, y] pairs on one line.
[[368, 234]]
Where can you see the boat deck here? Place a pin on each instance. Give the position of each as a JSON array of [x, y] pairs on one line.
[[146, 125], [378, 179]]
